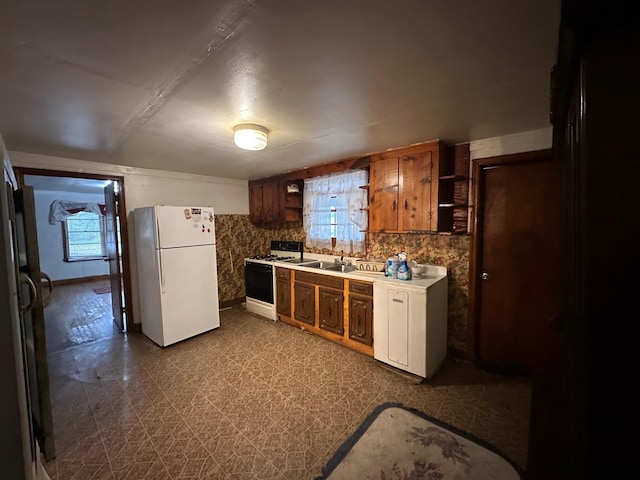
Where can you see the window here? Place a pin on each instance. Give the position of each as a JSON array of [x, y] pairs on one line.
[[84, 237], [334, 215]]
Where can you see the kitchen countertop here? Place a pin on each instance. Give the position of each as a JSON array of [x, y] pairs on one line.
[[433, 273]]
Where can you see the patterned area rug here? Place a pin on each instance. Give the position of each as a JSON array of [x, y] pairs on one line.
[[399, 443]]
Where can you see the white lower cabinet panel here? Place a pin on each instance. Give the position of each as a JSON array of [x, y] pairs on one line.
[[410, 323], [398, 302]]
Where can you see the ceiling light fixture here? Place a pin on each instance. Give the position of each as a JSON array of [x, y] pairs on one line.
[[249, 136]]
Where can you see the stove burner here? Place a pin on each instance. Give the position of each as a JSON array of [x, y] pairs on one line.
[[281, 251], [270, 257]]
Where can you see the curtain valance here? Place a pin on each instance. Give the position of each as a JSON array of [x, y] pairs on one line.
[[61, 209]]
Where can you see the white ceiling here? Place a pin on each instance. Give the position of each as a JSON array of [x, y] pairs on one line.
[[160, 84]]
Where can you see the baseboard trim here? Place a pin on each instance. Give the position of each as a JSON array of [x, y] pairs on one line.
[[230, 303], [69, 281]]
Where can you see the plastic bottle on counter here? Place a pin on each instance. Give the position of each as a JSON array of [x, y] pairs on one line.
[[392, 266], [404, 272]]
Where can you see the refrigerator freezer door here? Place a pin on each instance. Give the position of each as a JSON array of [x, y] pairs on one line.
[[189, 292], [184, 226]]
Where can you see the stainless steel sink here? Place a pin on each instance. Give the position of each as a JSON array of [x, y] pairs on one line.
[[337, 267], [310, 264], [331, 266]]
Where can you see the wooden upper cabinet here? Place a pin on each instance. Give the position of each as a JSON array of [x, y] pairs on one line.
[[403, 192], [423, 188], [255, 202], [417, 209], [271, 194], [383, 195], [271, 202]]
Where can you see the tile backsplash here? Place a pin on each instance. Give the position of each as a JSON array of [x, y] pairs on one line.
[[237, 238]]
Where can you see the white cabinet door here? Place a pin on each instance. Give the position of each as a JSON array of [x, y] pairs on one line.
[[398, 318]]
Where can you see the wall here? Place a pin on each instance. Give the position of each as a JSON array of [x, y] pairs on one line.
[[508, 144], [50, 241], [237, 239], [144, 187]]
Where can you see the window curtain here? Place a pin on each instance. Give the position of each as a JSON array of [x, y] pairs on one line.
[[349, 200], [61, 209]]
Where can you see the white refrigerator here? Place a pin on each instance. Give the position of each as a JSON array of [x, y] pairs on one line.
[[177, 272]]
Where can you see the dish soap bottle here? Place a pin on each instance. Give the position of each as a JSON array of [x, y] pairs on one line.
[[404, 273], [392, 266]]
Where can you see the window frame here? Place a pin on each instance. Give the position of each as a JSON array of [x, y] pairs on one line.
[[84, 258]]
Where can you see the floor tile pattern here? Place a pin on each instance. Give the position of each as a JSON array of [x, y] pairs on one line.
[[254, 399], [77, 315]]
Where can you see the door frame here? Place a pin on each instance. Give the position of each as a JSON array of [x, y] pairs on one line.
[[477, 231], [20, 172]]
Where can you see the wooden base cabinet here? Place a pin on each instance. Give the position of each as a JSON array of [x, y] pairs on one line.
[[333, 307], [331, 310], [283, 291], [361, 312], [304, 303]]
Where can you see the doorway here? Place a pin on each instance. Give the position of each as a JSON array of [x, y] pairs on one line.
[[516, 262], [515, 286], [83, 285]]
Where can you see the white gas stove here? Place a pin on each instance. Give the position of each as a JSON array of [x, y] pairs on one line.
[[260, 276]]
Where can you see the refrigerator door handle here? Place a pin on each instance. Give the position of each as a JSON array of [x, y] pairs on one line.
[[161, 270], [157, 233]]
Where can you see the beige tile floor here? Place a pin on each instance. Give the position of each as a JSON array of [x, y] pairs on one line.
[[254, 399]]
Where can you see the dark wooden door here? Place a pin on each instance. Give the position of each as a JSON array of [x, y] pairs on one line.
[[32, 316], [519, 263], [270, 205], [255, 203], [112, 231], [304, 300], [331, 310], [283, 297], [361, 319], [517, 271]]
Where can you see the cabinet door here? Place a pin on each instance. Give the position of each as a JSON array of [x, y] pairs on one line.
[[255, 203], [398, 315], [416, 210], [283, 297], [383, 195], [361, 319], [270, 202], [304, 308], [331, 310]]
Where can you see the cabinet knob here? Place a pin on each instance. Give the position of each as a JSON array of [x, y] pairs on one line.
[[393, 206], [406, 204], [485, 276]]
